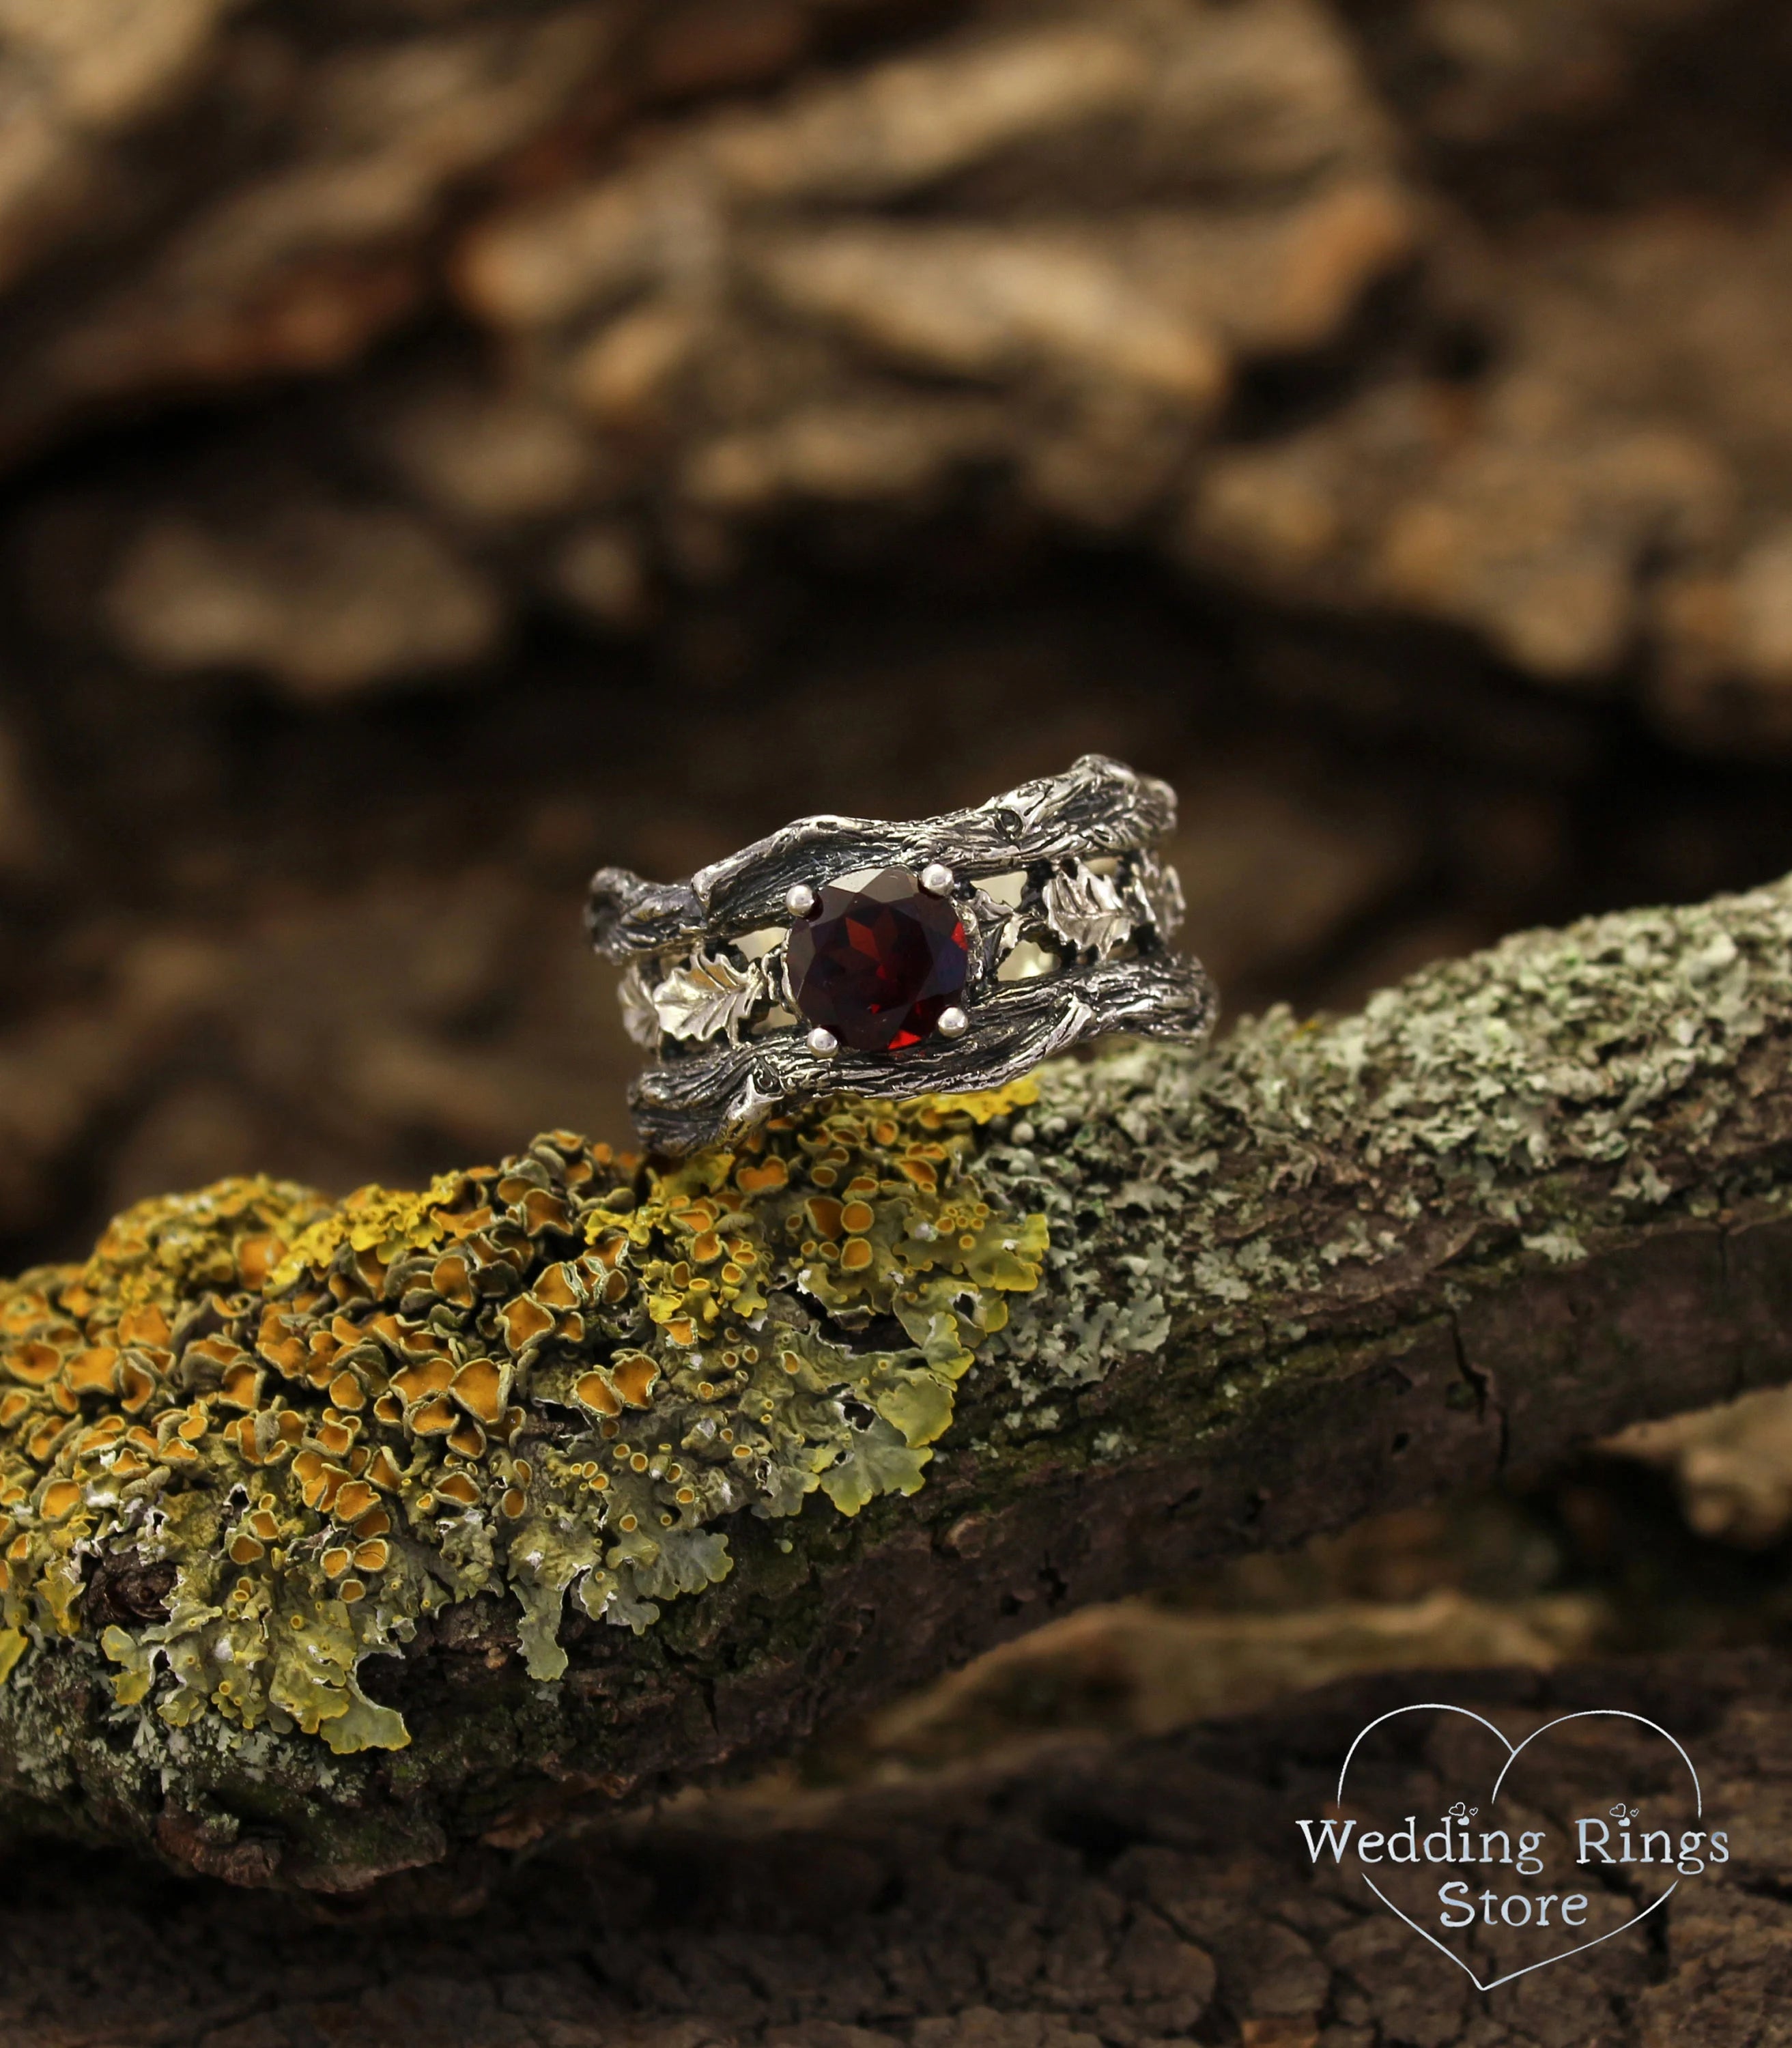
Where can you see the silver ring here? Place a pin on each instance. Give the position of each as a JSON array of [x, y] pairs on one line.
[[848, 955]]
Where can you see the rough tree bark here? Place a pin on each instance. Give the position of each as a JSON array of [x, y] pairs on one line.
[[1520, 1200], [1155, 1893], [749, 261], [288, 245]]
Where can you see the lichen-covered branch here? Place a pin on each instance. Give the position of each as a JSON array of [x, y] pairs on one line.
[[346, 1535]]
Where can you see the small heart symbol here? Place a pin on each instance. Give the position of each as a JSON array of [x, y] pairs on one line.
[[1513, 1756]]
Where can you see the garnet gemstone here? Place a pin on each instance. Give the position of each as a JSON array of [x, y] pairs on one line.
[[876, 965]]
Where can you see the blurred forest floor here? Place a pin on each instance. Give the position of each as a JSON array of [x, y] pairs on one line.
[[447, 445]]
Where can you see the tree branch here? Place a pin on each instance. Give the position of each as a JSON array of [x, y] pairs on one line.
[[1153, 1889], [1519, 1201]]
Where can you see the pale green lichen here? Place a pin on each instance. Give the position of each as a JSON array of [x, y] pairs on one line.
[[1185, 1189], [259, 1435]]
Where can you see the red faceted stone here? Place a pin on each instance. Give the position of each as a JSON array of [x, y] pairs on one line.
[[876, 965]]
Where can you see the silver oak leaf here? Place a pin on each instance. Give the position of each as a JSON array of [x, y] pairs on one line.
[[707, 996], [1087, 910], [640, 1019], [1160, 890]]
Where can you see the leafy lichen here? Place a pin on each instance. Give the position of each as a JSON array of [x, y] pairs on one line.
[[259, 1435], [1560, 1083]]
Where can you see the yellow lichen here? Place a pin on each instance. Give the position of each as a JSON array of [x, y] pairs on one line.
[[258, 1436]]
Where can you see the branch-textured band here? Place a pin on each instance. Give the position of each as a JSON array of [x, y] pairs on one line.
[[955, 952]]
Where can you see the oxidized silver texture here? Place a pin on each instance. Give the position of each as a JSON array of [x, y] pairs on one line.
[[1077, 852]]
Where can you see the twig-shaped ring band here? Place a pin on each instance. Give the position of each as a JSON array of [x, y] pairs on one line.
[[852, 955]]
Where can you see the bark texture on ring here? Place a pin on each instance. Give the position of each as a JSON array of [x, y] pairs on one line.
[[1097, 806], [1075, 854]]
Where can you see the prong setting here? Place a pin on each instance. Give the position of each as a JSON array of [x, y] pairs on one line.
[[1037, 866]]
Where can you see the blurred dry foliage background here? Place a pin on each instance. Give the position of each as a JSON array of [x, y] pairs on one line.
[[450, 443]]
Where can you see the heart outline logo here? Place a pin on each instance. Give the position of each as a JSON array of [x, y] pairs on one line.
[[1514, 1750]]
